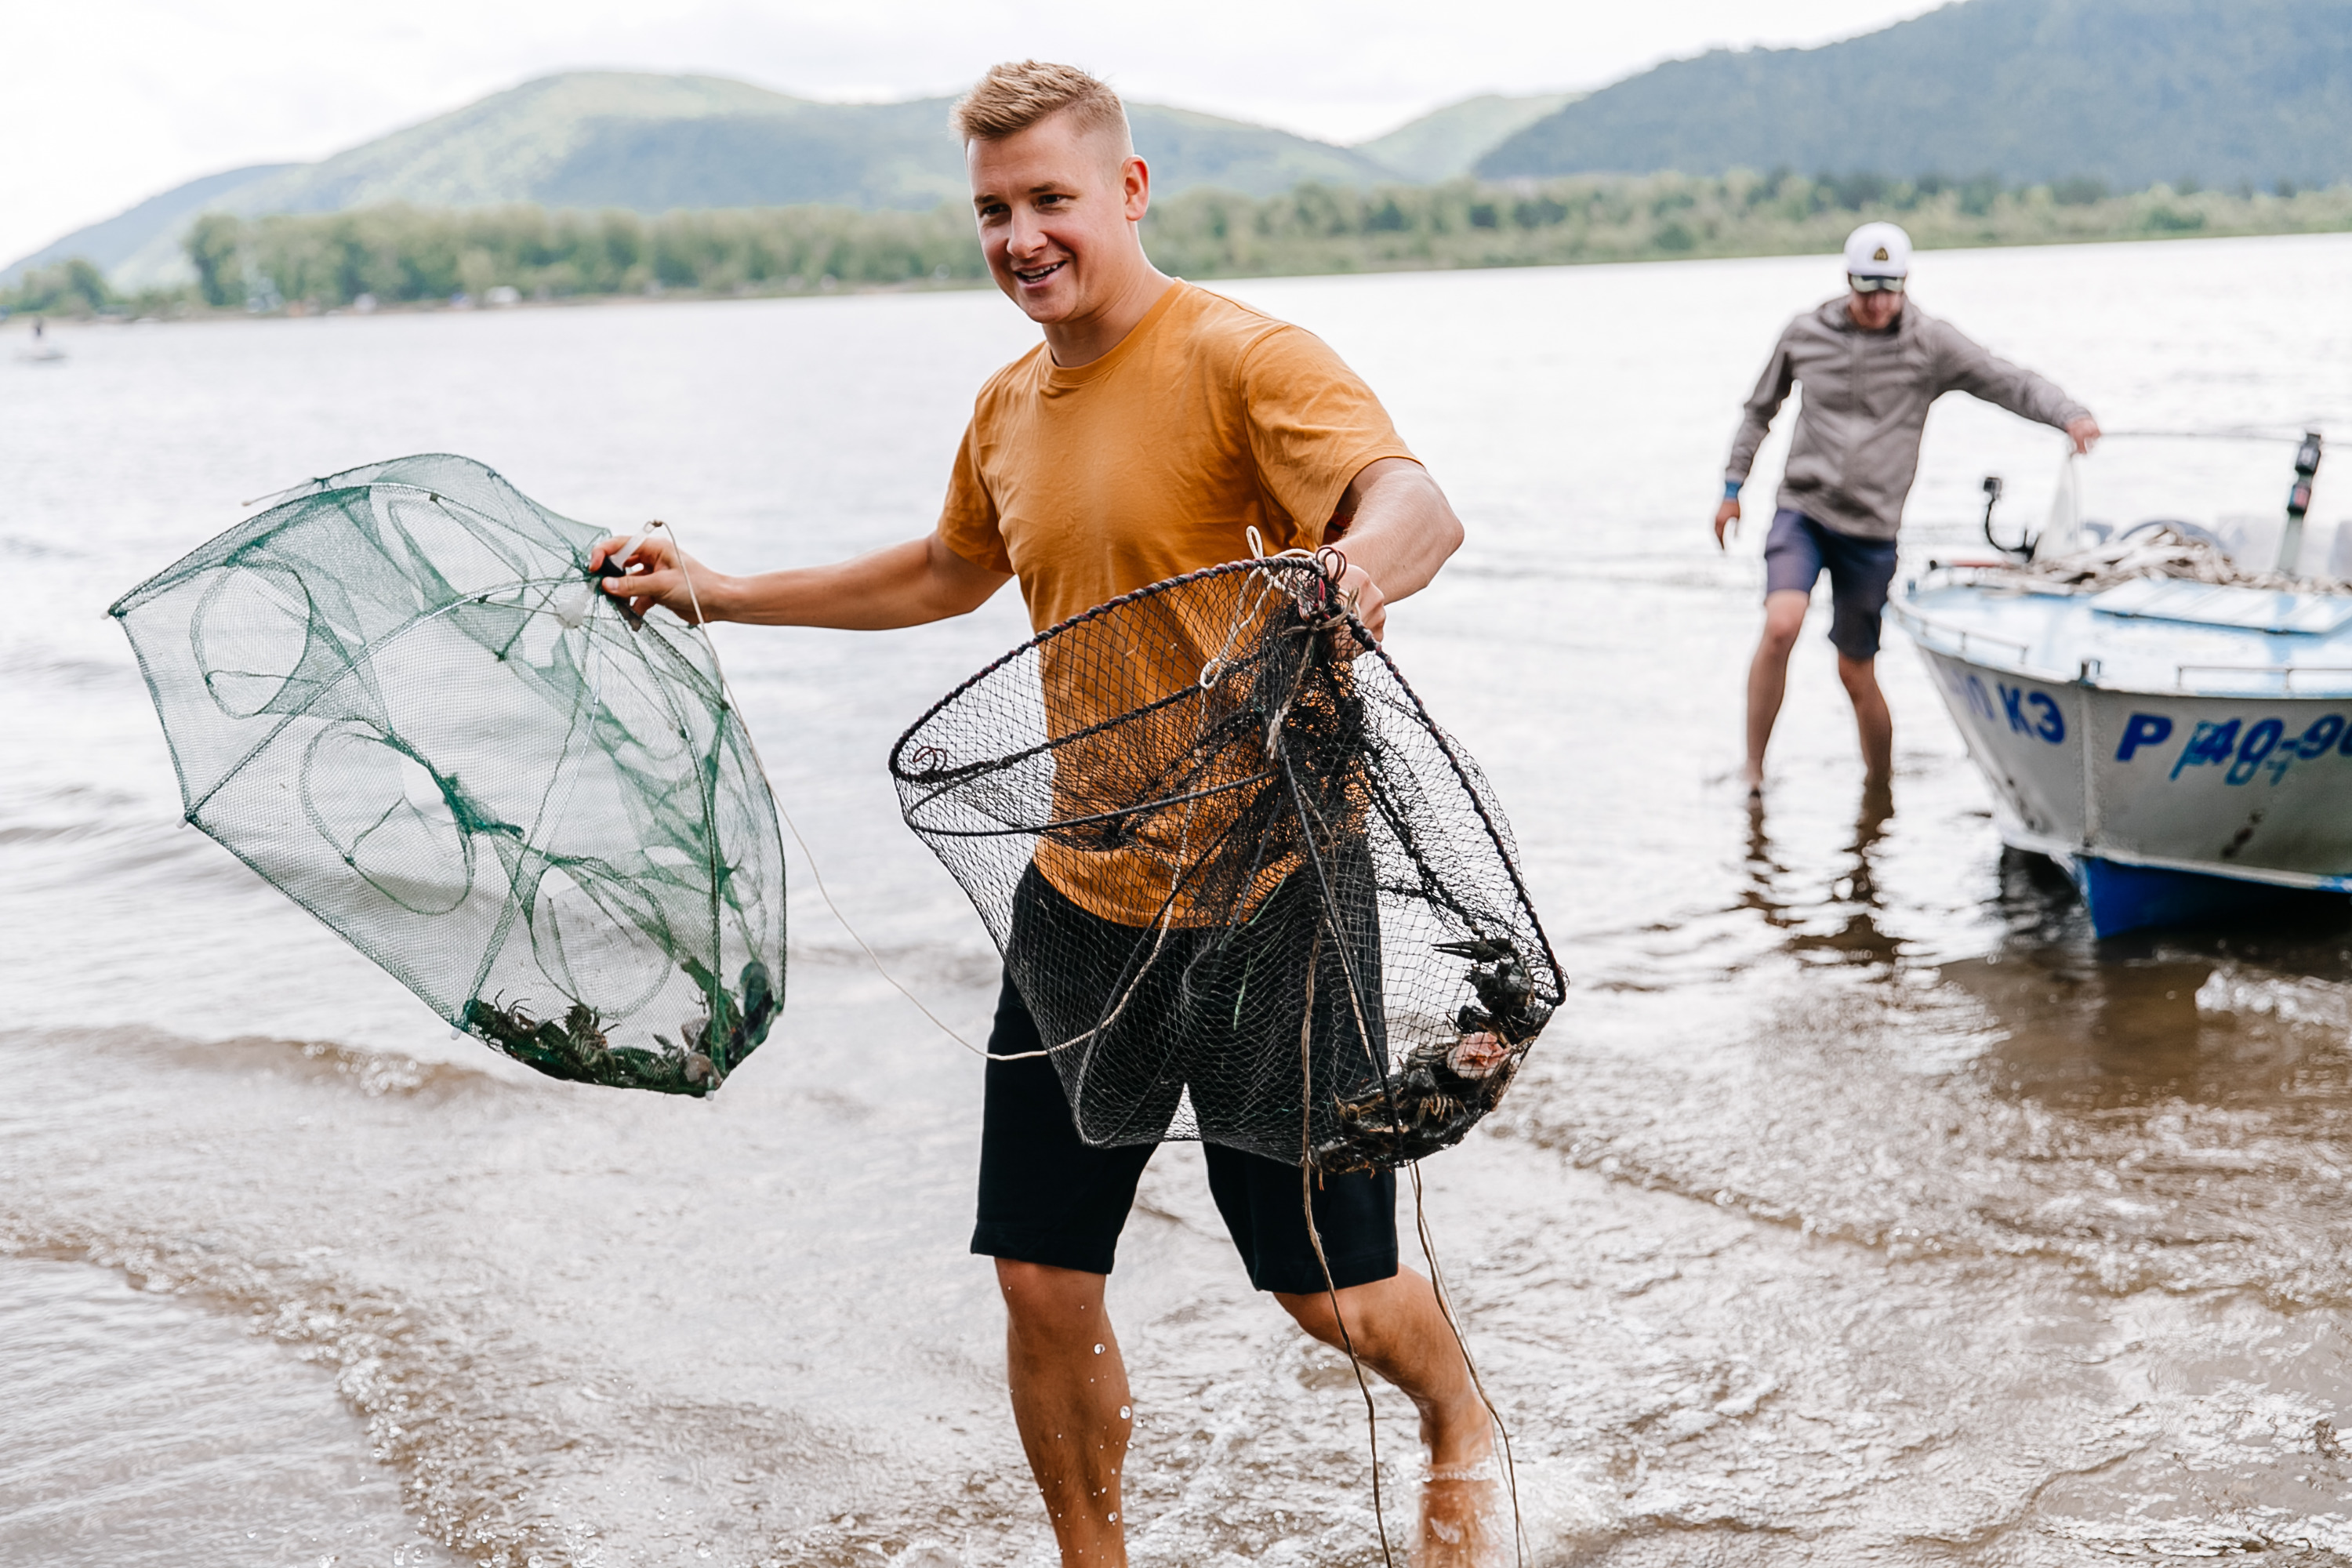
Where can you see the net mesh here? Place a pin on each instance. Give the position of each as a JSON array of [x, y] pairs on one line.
[[396, 696], [1248, 888]]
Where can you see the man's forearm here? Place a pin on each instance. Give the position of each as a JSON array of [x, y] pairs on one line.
[[1403, 529], [1753, 427], [904, 585], [1757, 414]]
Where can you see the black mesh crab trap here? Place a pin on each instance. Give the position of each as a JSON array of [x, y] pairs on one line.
[[397, 695], [1250, 890]]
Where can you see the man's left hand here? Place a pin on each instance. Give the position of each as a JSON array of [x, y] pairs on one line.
[[1399, 526], [1356, 587], [2085, 432]]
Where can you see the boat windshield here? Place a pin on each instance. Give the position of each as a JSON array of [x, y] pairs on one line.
[[2226, 488]]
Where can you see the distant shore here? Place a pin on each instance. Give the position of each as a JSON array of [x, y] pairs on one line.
[[399, 257]]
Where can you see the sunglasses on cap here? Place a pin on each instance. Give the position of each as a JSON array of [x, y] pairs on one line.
[[1872, 284]]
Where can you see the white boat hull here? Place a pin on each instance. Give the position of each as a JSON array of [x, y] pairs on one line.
[[2229, 786], [2250, 781]]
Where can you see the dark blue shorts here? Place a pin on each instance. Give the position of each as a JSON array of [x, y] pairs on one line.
[[1047, 1197], [1799, 550]]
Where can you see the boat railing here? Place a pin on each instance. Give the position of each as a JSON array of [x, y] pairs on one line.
[[1963, 638], [2283, 673]]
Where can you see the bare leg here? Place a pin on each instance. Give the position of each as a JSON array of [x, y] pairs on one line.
[[1871, 718], [1071, 1403], [1768, 676], [1399, 1333]]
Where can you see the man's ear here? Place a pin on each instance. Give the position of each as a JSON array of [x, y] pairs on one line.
[[1134, 180]]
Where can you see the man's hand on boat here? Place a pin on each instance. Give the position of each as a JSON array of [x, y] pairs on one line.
[[2084, 431]]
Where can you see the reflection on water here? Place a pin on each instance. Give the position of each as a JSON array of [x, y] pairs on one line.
[[2238, 1015], [1841, 924]]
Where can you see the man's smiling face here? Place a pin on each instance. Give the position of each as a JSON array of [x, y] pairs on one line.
[[1056, 207]]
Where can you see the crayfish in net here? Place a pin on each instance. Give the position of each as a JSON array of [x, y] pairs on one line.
[[1236, 871], [1442, 1089], [575, 1048]]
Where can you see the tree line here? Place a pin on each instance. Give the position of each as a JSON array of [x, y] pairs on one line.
[[407, 256]]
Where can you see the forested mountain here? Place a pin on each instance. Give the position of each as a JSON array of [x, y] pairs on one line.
[[2126, 92], [658, 143], [1446, 142], [2091, 93], [110, 244]]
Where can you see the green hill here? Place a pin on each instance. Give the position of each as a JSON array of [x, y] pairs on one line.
[[658, 143], [110, 244], [2126, 92], [1444, 144]]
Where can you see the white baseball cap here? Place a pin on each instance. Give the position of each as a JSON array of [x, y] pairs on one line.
[[1878, 250]]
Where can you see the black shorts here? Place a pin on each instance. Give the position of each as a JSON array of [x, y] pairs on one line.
[[1799, 550], [1047, 1197]]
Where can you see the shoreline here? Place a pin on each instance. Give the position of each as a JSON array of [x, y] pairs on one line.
[[186, 314]]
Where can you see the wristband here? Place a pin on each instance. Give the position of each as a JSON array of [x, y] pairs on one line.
[[1731, 489]]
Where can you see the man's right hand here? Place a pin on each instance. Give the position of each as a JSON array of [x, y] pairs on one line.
[[1724, 516], [656, 575]]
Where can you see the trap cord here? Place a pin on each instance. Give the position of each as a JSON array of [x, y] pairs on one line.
[[1445, 1307], [1315, 1236], [816, 876], [1420, 1216], [726, 692], [1420, 1213]]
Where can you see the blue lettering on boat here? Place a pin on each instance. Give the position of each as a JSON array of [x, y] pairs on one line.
[[2143, 730], [2010, 699], [2260, 741], [2052, 727], [2212, 743], [2044, 720]]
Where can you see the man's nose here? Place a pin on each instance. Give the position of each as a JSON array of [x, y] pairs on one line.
[[1027, 238]]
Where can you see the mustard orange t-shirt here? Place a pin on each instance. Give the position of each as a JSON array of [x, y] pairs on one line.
[[1091, 481], [1094, 480]]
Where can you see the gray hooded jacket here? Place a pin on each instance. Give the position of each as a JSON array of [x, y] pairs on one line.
[[1867, 396]]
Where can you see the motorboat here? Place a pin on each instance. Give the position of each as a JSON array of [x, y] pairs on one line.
[[2171, 725]]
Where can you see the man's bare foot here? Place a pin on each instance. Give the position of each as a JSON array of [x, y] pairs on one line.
[[1465, 1518]]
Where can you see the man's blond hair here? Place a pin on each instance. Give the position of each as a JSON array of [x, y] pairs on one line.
[[1014, 96]]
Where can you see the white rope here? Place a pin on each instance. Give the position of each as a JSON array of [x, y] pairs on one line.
[[727, 694], [1209, 674]]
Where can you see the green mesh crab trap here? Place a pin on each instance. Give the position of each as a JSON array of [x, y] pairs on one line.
[[1249, 890], [398, 696]]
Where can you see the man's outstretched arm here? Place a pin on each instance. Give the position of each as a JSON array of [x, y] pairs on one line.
[[903, 584], [1401, 529], [1972, 368]]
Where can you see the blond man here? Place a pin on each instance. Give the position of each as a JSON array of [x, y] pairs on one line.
[[1151, 429]]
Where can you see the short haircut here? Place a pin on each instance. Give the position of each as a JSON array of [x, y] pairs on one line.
[[1014, 96]]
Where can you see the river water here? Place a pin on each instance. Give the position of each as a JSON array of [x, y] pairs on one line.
[[1857, 1207]]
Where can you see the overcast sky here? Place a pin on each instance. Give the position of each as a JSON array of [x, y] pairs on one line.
[[108, 102]]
